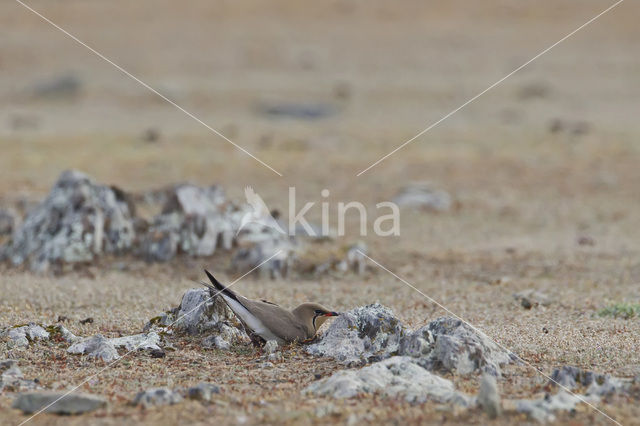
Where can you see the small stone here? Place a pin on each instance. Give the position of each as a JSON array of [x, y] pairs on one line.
[[425, 196], [266, 364], [270, 347], [62, 403], [86, 321], [156, 396], [203, 391], [530, 298], [489, 397], [157, 353]]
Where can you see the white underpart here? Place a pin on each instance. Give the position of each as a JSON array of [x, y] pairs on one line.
[[251, 320]]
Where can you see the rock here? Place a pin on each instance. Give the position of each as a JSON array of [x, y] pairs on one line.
[[78, 220], [11, 377], [460, 349], [21, 336], [203, 391], [64, 86], [7, 222], [373, 333], [360, 335], [425, 196], [200, 313], [266, 364], [60, 332], [309, 111], [106, 349], [96, 347], [542, 410], [194, 221], [62, 403], [156, 396], [531, 297], [356, 258], [396, 377], [270, 347], [489, 397], [597, 384]]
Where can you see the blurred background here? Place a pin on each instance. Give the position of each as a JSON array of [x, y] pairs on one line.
[[538, 179]]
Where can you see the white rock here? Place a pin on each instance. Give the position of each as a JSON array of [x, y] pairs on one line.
[[157, 396], [396, 377], [489, 397], [21, 336], [362, 334]]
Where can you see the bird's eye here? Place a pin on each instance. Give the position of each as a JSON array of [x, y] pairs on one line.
[[319, 312]]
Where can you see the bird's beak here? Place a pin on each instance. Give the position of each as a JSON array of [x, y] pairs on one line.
[[331, 314]]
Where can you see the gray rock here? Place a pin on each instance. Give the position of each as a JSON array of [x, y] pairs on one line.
[[7, 222], [77, 221], [373, 333], [23, 335], [194, 221], [542, 410], [157, 396], [459, 348], [270, 347], [360, 335], [425, 196], [489, 397], [63, 333], [106, 349], [310, 111], [356, 258], [61, 403], [396, 377], [96, 347], [203, 391], [597, 384], [11, 377], [201, 314], [62, 86]]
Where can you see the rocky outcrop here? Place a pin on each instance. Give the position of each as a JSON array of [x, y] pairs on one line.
[[78, 221], [194, 221], [396, 377], [199, 313], [372, 333], [460, 349]]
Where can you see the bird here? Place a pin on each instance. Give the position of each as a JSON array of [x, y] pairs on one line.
[[260, 213], [269, 321]]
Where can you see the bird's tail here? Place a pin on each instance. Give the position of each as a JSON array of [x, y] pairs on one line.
[[216, 287]]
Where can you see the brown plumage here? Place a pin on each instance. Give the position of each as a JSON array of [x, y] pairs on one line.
[[270, 321]]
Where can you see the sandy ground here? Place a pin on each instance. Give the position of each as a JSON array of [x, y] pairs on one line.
[[547, 158]]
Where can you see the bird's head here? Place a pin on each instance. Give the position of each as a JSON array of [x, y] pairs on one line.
[[313, 315]]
